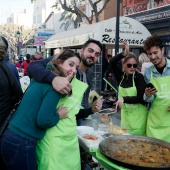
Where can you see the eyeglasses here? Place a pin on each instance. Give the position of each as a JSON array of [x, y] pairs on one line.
[[130, 65]]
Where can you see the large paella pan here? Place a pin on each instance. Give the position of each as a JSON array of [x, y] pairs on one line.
[[137, 152]]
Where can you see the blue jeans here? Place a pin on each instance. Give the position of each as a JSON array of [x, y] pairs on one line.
[[18, 153]]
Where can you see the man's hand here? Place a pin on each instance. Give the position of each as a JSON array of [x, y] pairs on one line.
[[97, 104], [62, 111], [119, 103], [150, 91], [62, 84]]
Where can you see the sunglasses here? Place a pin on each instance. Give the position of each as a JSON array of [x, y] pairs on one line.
[[130, 65]]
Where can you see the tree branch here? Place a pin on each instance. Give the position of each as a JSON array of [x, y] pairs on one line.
[[104, 6]]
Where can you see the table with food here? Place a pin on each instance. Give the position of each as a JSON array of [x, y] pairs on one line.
[[115, 148]]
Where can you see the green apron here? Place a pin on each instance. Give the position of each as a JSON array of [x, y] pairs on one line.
[[59, 150], [133, 116], [158, 123]]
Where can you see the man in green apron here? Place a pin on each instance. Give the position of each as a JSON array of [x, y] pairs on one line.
[[158, 122]]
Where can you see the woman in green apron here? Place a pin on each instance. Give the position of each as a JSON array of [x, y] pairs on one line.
[[130, 92], [60, 149], [36, 113]]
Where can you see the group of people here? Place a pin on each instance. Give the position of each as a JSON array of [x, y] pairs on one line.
[[134, 94], [42, 133], [44, 124], [22, 63]]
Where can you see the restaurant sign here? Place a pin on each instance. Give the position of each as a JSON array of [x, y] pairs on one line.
[[130, 30], [154, 17]]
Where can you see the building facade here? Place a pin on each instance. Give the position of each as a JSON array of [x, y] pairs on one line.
[[154, 15]]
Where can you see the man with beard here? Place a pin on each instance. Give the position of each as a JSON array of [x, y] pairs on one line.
[[89, 54], [158, 93]]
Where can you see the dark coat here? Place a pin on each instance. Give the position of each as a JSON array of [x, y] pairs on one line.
[[10, 92]]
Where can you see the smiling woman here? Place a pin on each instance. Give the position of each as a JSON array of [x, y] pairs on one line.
[[130, 93], [49, 109]]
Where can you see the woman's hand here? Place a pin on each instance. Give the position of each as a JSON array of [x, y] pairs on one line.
[[126, 46], [62, 111], [119, 103]]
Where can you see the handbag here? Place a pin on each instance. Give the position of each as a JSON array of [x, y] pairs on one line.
[[6, 122], [4, 125]]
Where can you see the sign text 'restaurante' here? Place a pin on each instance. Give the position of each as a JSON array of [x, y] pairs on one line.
[[107, 39]]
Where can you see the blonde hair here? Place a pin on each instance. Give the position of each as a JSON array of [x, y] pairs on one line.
[[129, 56], [143, 58], [57, 51]]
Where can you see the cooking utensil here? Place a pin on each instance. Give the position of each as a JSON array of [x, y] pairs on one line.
[[107, 149], [100, 111], [110, 85], [106, 111]]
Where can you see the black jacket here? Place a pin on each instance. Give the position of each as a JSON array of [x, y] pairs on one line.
[[116, 67], [9, 91]]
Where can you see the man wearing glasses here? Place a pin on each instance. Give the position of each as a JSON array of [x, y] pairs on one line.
[[158, 75]]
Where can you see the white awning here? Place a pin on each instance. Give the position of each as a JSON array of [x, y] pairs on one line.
[[129, 29]]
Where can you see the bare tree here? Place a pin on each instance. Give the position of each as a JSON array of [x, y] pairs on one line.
[[74, 8], [68, 19], [9, 32]]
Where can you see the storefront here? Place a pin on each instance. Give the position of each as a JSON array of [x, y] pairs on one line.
[[130, 30], [157, 21]]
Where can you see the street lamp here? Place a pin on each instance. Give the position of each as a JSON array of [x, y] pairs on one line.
[[18, 47]]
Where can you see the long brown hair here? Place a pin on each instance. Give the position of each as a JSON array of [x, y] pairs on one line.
[[53, 65]]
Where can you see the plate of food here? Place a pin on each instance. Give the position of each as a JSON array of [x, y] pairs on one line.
[[91, 139]]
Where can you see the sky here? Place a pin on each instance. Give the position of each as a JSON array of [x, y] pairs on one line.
[[10, 6]]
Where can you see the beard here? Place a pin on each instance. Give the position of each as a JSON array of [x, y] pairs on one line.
[[86, 63]]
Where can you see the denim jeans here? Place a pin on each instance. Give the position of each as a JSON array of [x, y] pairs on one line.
[[18, 153]]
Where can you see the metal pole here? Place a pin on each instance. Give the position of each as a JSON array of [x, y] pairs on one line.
[[18, 48], [117, 27]]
